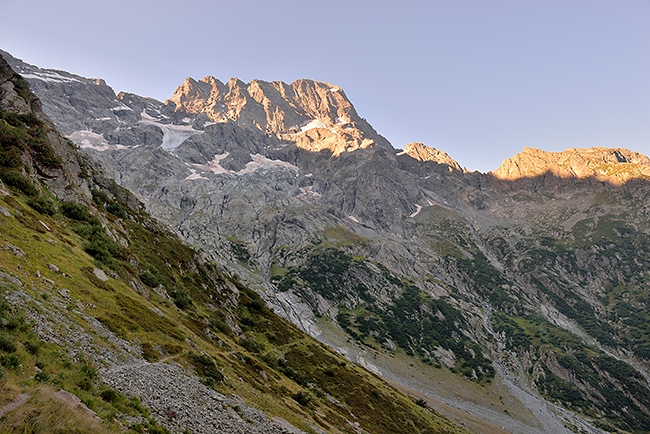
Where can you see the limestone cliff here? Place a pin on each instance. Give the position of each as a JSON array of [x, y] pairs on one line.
[[422, 152], [314, 115], [613, 165]]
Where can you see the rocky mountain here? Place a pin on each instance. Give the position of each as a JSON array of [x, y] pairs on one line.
[[109, 323], [517, 296]]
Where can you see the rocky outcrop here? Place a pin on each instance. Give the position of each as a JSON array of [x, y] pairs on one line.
[[422, 152], [612, 165]]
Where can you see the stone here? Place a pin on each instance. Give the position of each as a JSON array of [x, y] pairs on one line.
[[99, 273], [14, 250]]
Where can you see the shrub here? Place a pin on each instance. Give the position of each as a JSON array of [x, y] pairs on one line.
[[181, 299], [99, 197], [117, 210], [7, 344], [207, 369], [108, 395], [219, 324], [15, 179], [42, 205], [421, 402], [102, 249], [75, 211], [250, 345], [10, 361], [302, 398], [42, 377], [151, 280]]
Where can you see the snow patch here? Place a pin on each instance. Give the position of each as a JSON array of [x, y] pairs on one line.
[[334, 89], [214, 165], [89, 140], [340, 121], [261, 162], [51, 77], [400, 153], [120, 108], [417, 211], [173, 135], [146, 116], [353, 219], [192, 176], [315, 123]]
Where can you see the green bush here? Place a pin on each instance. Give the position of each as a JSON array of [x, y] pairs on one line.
[[108, 395], [219, 324], [207, 369], [302, 398], [42, 377], [99, 197], [75, 211], [42, 205], [181, 300], [250, 345], [103, 249], [15, 179], [117, 210], [150, 279], [7, 344], [10, 361]]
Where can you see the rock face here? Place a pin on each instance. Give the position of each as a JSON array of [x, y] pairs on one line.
[[615, 166], [521, 270], [316, 116], [424, 153]]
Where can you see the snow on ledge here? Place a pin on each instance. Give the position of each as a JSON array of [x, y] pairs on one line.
[[353, 219], [173, 135], [193, 176], [315, 123], [50, 77], [417, 211], [260, 162], [87, 139]]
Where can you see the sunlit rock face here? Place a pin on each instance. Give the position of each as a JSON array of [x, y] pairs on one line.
[[422, 152], [616, 165], [315, 116]]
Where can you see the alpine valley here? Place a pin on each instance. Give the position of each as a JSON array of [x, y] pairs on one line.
[[444, 300]]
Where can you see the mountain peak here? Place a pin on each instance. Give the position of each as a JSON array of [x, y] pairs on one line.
[[422, 152], [315, 115], [614, 165]]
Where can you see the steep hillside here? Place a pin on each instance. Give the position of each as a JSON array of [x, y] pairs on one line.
[[517, 296], [109, 323]]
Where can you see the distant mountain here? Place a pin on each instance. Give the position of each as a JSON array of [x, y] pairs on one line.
[[518, 296]]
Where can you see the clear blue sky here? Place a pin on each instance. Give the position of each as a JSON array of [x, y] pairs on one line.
[[478, 79]]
